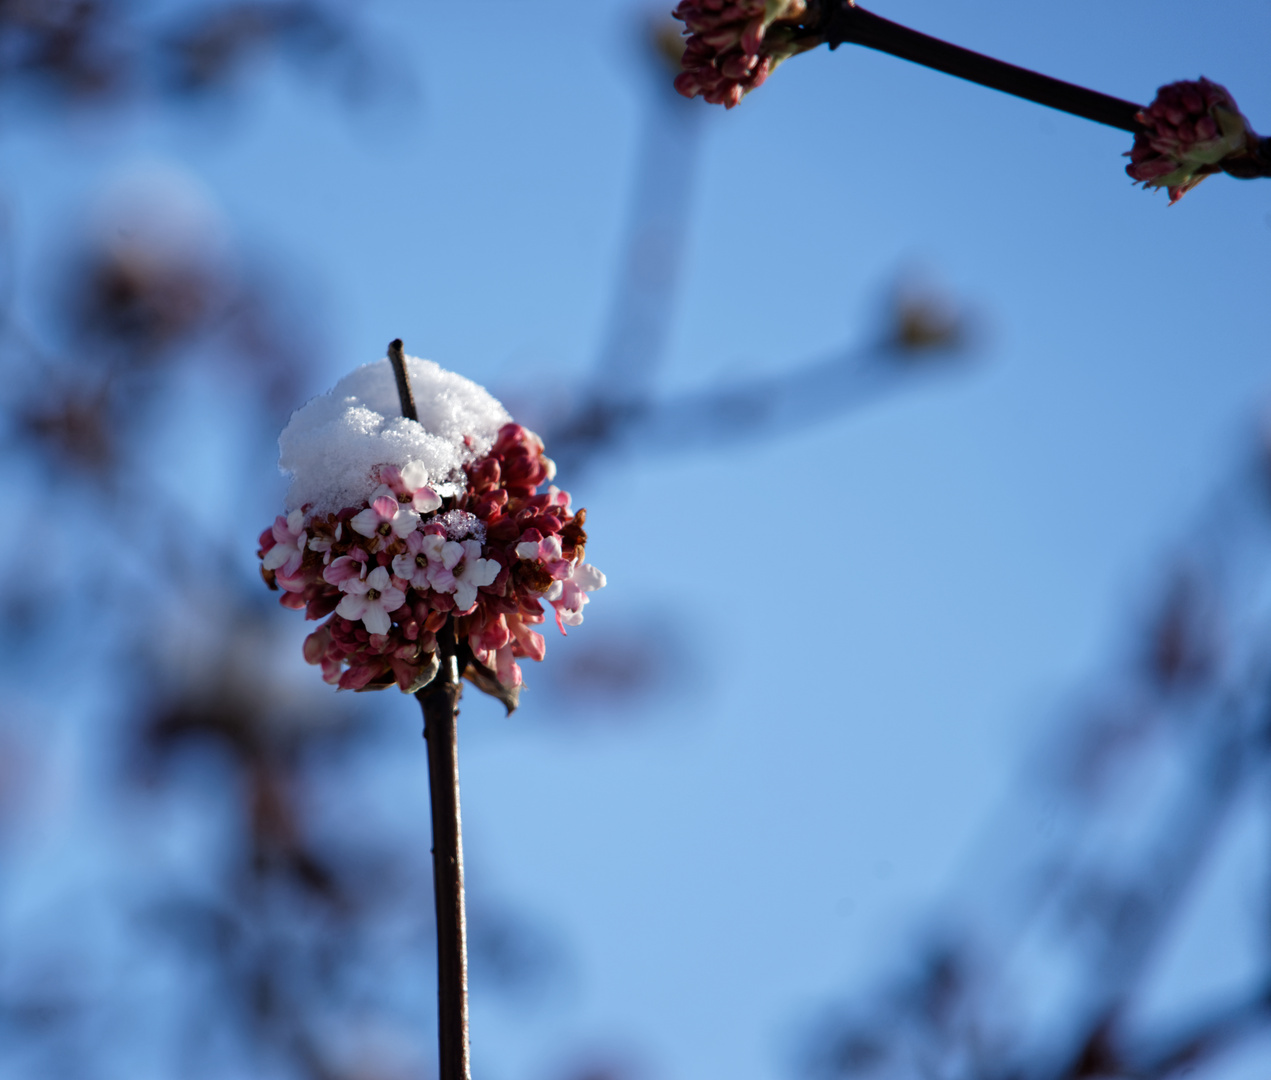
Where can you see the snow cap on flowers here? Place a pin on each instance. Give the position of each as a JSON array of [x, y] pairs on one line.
[[333, 445], [413, 537]]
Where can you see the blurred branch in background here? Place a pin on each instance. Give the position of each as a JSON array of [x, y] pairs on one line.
[[79, 52], [618, 408], [1038, 966]]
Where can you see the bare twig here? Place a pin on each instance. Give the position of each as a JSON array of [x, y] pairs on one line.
[[398, 359], [842, 21]]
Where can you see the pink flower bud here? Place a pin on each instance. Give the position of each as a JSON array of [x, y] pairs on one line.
[[733, 47]]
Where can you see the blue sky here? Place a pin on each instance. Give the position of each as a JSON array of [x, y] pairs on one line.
[[877, 616]]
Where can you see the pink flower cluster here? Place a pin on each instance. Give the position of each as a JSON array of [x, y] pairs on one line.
[[734, 45], [389, 575], [1188, 131]]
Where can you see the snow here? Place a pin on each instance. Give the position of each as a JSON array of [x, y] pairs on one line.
[[333, 443]]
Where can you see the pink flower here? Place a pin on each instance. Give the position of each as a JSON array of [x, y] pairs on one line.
[[569, 596], [288, 550], [370, 600], [481, 565], [345, 569], [506, 667], [1189, 131], [548, 552], [423, 553], [462, 572], [385, 518], [531, 643]]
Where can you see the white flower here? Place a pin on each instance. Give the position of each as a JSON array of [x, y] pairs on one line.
[[423, 552], [385, 517], [371, 600], [462, 571]]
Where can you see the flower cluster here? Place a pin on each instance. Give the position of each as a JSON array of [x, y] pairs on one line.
[[1188, 132], [389, 575], [734, 45]]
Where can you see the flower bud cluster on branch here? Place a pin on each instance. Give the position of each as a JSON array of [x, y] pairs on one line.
[[734, 45], [1192, 129], [388, 573]]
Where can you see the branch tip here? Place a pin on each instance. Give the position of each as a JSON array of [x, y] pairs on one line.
[[404, 393]]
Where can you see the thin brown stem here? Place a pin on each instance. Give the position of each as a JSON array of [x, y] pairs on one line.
[[842, 21], [404, 393], [439, 701]]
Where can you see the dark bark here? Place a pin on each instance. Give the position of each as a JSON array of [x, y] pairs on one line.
[[404, 393], [1256, 163], [840, 21], [440, 700]]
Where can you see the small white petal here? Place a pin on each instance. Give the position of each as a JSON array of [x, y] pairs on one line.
[[276, 556], [527, 549], [465, 595], [441, 579], [587, 577], [482, 571], [296, 521], [414, 475], [366, 522], [351, 607], [379, 579], [376, 619], [405, 522], [425, 500]]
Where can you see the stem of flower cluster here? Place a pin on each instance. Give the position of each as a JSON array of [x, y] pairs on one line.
[[404, 393], [842, 21], [439, 701]]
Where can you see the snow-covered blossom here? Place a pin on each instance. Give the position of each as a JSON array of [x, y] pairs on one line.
[[338, 445], [479, 553], [370, 599], [1189, 131], [734, 45]]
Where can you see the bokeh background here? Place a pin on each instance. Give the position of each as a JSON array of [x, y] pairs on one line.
[[921, 731]]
